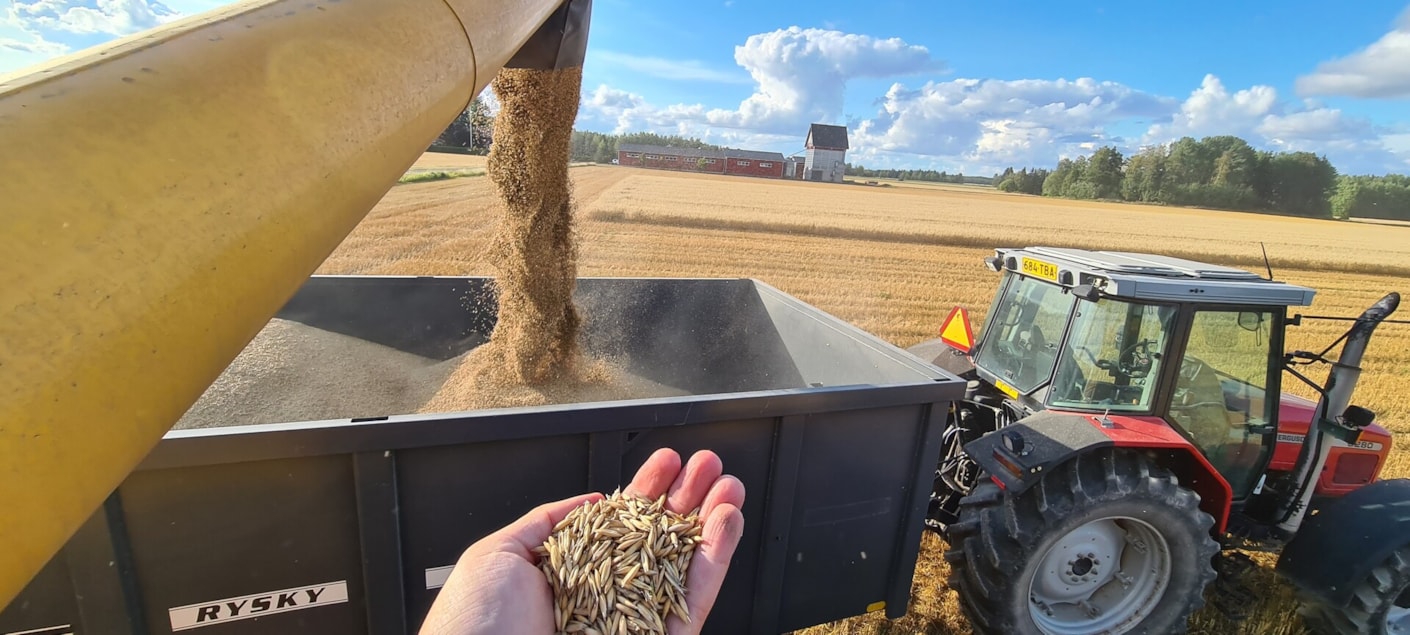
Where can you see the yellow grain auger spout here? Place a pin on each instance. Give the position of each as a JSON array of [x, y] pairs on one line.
[[162, 196]]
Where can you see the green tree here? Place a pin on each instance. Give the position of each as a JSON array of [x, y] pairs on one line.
[[1222, 172], [1145, 176], [1234, 163], [458, 134], [1372, 197], [481, 122], [1301, 183], [1103, 173], [1190, 162], [605, 151], [472, 129], [1058, 183]]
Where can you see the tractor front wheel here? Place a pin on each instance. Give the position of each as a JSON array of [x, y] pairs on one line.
[[1380, 605], [1108, 543]]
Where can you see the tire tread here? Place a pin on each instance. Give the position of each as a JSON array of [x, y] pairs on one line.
[[996, 531], [1365, 613]]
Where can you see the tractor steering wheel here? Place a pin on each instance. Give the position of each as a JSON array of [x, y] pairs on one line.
[[1137, 360]]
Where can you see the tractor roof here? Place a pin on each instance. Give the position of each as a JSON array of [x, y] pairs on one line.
[[1150, 277]]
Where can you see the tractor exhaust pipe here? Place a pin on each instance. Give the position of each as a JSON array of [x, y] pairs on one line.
[[1336, 398]]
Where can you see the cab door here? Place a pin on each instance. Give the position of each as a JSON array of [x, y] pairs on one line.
[[1225, 391]]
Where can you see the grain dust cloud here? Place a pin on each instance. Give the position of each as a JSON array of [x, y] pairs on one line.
[[295, 372], [533, 356]]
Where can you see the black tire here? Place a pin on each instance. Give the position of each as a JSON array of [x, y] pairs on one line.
[[1002, 541], [1386, 588]]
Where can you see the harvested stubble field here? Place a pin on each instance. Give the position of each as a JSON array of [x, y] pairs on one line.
[[893, 261], [449, 161]]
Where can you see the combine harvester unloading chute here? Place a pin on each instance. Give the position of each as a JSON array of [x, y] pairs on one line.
[[167, 193]]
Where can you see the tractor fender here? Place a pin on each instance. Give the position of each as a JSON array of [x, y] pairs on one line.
[[1020, 454], [1048, 439], [1337, 546]]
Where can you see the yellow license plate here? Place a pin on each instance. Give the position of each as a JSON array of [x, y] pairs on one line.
[[1040, 269]]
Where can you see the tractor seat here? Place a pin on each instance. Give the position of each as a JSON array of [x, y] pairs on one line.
[[1199, 404]]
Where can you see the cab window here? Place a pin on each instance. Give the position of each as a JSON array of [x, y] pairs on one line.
[[1219, 397], [1023, 331], [1113, 358]]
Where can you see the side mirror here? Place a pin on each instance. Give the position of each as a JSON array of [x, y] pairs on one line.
[[1087, 292], [1250, 320], [1357, 417]]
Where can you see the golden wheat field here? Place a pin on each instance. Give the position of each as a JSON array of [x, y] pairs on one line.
[[893, 261]]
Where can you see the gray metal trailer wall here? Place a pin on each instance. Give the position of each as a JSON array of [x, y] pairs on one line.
[[347, 526]]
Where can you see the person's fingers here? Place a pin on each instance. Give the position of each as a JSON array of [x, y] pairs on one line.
[[533, 528], [693, 483], [655, 475], [726, 489], [723, 528]]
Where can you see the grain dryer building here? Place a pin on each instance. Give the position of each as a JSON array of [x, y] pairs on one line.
[[727, 161], [827, 153]]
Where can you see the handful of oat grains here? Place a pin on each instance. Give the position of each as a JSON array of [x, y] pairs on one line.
[[618, 566]]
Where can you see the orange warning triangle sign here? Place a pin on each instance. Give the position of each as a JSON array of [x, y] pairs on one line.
[[956, 331]]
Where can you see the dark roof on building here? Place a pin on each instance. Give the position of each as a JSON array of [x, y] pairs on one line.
[[754, 154], [821, 135], [700, 153], [680, 152]]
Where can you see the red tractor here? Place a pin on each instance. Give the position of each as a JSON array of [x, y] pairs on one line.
[[1124, 429]]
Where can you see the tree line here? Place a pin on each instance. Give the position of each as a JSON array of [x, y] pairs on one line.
[[1385, 197], [599, 147], [472, 130], [1222, 172], [1024, 181], [912, 175]]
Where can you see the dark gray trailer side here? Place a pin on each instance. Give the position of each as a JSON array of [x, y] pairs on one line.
[[350, 526]]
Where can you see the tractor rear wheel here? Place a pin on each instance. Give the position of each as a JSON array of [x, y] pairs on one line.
[[1107, 543], [1380, 605]]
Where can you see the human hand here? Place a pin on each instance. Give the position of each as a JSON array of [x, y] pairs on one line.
[[496, 586]]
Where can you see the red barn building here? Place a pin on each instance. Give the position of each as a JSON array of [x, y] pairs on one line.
[[727, 161]]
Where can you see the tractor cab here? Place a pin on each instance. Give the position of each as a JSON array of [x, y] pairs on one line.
[[1193, 344], [1123, 400], [1127, 400]]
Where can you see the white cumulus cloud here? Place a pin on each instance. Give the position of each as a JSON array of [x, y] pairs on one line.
[[629, 112], [1258, 116], [622, 111], [111, 17], [1379, 70], [1212, 110], [801, 75], [995, 122], [34, 45], [27, 49]]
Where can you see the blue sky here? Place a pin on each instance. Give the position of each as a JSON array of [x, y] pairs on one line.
[[955, 86]]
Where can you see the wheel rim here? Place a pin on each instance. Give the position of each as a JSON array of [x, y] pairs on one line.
[[1103, 577], [1398, 617]]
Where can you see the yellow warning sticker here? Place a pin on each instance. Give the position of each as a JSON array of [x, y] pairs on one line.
[[1006, 389]]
